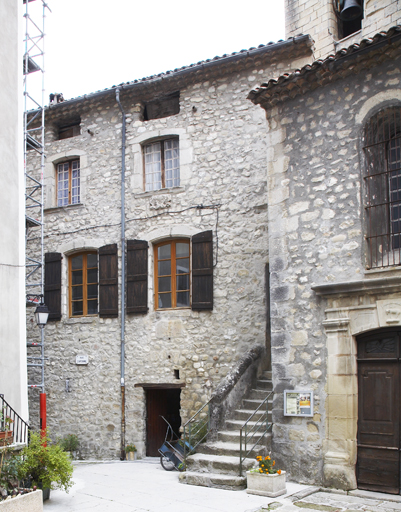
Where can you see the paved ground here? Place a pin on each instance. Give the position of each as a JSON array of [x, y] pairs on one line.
[[145, 486]]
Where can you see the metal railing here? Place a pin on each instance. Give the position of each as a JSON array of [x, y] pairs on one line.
[[258, 429], [12, 422], [196, 430]]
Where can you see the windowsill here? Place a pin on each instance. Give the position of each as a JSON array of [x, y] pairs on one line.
[[150, 193], [345, 39], [174, 312], [81, 319], [61, 208], [381, 270]]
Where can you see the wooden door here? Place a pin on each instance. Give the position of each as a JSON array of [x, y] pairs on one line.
[[161, 402], [378, 465]]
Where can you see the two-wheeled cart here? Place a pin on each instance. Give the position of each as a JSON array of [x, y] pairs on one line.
[[172, 450]]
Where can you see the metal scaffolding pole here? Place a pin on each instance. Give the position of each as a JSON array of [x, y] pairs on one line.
[[34, 144]]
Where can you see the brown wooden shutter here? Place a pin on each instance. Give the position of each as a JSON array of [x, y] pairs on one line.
[[137, 276], [108, 281], [53, 284], [202, 270]]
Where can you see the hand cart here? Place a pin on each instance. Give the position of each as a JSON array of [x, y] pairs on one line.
[[172, 450]]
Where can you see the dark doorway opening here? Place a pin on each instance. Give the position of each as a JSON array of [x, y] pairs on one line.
[[161, 402], [379, 382]]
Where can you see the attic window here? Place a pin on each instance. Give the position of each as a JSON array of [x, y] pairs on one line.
[[162, 107], [71, 130]]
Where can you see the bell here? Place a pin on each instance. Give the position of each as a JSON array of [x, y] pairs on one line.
[[351, 11]]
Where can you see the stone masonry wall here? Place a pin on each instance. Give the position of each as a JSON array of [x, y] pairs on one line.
[[223, 167], [315, 237]]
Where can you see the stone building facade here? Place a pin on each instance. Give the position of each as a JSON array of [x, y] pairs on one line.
[[333, 165], [210, 211]]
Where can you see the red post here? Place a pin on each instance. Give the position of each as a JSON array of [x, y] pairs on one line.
[[42, 414]]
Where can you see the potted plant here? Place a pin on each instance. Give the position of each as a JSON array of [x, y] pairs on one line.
[[265, 480], [130, 452], [6, 434], [70, 444], [45, 465]]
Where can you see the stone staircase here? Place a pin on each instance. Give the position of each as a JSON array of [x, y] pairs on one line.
[[216, 464]]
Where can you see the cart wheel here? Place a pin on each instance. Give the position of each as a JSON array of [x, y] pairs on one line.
[[165, 461]]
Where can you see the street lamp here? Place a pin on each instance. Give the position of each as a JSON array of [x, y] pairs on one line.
[[41, 315]]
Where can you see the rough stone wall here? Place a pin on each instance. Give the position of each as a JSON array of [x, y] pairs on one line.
[[315, 237], [223, 164]]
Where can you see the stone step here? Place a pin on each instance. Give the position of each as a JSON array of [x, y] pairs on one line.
[[244, 414], [264, 384], [266, 375], [225, 464], [233, 436], [259, 394], [253, 404], [217, 480], [235, 424], [228, 448]]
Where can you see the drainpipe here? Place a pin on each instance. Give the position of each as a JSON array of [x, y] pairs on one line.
[[122, 457]]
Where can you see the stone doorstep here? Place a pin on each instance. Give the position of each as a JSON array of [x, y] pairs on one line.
[[203, 462], [225, 448], [220, 481]]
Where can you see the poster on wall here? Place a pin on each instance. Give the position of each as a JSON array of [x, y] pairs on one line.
[[298, 403]]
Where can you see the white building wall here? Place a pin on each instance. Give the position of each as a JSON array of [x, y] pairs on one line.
[[13, 381]]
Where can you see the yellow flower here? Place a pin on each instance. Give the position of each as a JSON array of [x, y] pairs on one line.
[[267, 458], [274, 462], [259, 458], [279, 471], [260, 471]]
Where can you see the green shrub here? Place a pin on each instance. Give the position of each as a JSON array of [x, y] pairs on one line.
[[70, 443], [47, 465]]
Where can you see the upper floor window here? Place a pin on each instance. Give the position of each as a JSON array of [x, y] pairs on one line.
[[65, 132], [162, 164], [68, 183], [83, 284], [162, 107], [383, 188], [172, 274]]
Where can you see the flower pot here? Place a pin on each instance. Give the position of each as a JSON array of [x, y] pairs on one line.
[[130, 455], [266, 485], [6, 437]]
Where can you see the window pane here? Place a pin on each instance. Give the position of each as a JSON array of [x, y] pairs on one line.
[[164, 300], [183, 282], [76, 277], [92, 291], [183, 266], [164, 268], [181, 250], [92, 275], [92, 307], [153, 166], [77, 292], [164, 284], [172, 163], [182, 299], [77, 308], [164, 251], [76, 262]]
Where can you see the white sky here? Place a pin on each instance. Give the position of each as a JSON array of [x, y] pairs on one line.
[[94, 44]]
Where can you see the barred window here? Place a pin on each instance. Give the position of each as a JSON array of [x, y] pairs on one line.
[[162, 164], [382, 150]]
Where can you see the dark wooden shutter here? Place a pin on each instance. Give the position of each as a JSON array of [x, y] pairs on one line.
[[137, 276], [202, 270], [53, 284], [108, 281]]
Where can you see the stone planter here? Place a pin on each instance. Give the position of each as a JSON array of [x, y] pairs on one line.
[[266, 485], [130, 455], [31, 502]]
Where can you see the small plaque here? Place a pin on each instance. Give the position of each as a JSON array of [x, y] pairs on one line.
[[82, 360], [298, 403]]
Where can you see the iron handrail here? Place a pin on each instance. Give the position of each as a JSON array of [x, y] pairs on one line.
[[196, 430], [254, 430], [11, 421]]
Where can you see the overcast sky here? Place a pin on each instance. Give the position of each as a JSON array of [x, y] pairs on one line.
[[94, 44]]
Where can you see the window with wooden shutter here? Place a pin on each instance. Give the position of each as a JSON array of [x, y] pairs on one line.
[[202, 271], [137, 276], [83, 284], [53, 284], [108, 281]]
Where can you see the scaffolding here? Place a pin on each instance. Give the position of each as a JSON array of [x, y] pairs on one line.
[[34, 141]]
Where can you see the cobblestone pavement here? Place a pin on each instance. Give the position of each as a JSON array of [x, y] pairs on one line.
[[313, 499]]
